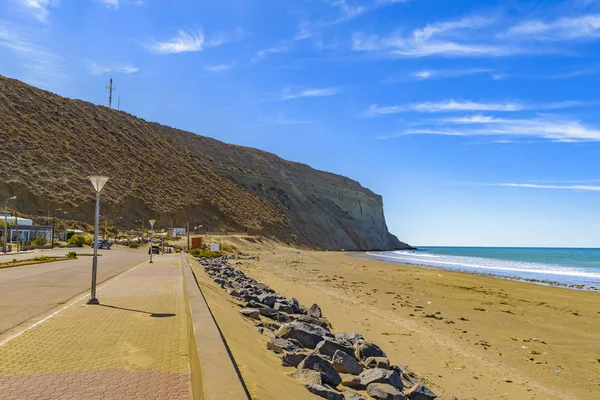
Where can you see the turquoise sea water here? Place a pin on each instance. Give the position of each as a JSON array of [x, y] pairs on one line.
[[565, 266]]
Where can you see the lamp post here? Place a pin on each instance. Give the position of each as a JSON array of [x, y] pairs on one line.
[[98, 182], [53, 220], [152, 222], [6, 222]]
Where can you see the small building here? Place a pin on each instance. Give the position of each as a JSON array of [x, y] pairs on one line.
[[196, 242], [25, 229], [69, 233], [174, 232]]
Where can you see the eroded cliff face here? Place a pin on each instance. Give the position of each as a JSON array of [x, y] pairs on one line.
[[51, 143]]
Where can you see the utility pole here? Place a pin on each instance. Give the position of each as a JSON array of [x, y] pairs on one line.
[[110, 89], [188, 234]]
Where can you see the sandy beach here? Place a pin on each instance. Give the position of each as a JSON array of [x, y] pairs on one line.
[[468, 336]]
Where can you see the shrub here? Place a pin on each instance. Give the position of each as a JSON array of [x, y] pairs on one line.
[[40, 258], [205, 253], [133, 245], [79, 240], [72, 255], [39, 241]]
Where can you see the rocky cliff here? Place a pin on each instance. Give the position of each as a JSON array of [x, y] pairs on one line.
[[50, 144]]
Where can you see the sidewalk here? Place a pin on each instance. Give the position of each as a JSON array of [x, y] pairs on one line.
[[132, 346]]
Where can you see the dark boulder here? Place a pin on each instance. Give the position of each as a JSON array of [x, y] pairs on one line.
[[315, 311], [268, 299], [346, 364], [293, 359], [325, 392], [377, 362], [250, 313], [420, 392], [349, 337], [378, 375], [280, 346], [329, 346], [366, 349], [383, 391], [328, 374], [309, 336]]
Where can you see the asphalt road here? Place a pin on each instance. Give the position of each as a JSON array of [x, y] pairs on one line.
[[31, 290]]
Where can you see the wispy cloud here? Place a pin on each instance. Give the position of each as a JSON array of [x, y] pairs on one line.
[[551, 127], [281, 48], [38, 8], [561, 29], [283, 120], [220, 67], [191, 41], [448, 38], [96, 69], [449, 73], [453, 106], [41, 66], [289, 94], [579, 188], [116, 3]]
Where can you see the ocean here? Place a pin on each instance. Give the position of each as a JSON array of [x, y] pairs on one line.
[[568, 267]]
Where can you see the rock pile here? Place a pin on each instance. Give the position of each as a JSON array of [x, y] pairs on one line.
[[329, 364]]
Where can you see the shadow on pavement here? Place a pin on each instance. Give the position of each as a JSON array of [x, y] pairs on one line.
[[154, 315]]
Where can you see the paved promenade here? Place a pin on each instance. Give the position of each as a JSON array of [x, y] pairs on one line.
[[132, 346]]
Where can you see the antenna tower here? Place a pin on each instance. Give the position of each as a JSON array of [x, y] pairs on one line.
[[110, 89]]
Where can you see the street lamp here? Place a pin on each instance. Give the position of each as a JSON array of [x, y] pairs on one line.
[[98, 182], [6, 222], [53, 220], [152, 222]]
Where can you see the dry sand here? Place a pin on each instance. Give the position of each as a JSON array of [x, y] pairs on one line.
[[468, 336]]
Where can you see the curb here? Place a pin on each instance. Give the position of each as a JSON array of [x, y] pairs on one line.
[[214, 373]]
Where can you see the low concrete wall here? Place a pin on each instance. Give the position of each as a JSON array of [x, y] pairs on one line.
[[213, 373]]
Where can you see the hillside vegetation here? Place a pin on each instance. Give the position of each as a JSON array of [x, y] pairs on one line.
[[50, 145]]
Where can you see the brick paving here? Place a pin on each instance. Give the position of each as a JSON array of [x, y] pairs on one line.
[[132, 346]]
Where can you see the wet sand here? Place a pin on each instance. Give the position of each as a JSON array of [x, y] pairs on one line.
[[469, 336]]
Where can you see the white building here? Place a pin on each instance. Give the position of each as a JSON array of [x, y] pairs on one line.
[[25, 229]]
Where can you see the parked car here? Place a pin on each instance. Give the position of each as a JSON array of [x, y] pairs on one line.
[[155, 250], [103, 244]]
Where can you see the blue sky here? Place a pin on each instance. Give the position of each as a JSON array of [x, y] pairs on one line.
[[476, 120]]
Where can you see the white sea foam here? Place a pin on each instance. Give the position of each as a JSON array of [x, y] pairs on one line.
[[488, 265]]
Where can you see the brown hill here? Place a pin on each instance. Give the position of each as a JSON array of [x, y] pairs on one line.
[[50, 145]]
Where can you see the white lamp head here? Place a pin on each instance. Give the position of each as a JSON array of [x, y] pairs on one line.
[[98, 181], [152, 222]]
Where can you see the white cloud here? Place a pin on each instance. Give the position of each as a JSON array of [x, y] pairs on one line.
[[349, 11], [305, 31], [289, 94], [116, 3], [451, 38], [38, 8], [282, 48], [96, 69], [430, 74], [220, 67], [191, 41], [453, 105], [283, 120], [566, 28], [554, 128], [110, 3], [585, 188]]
